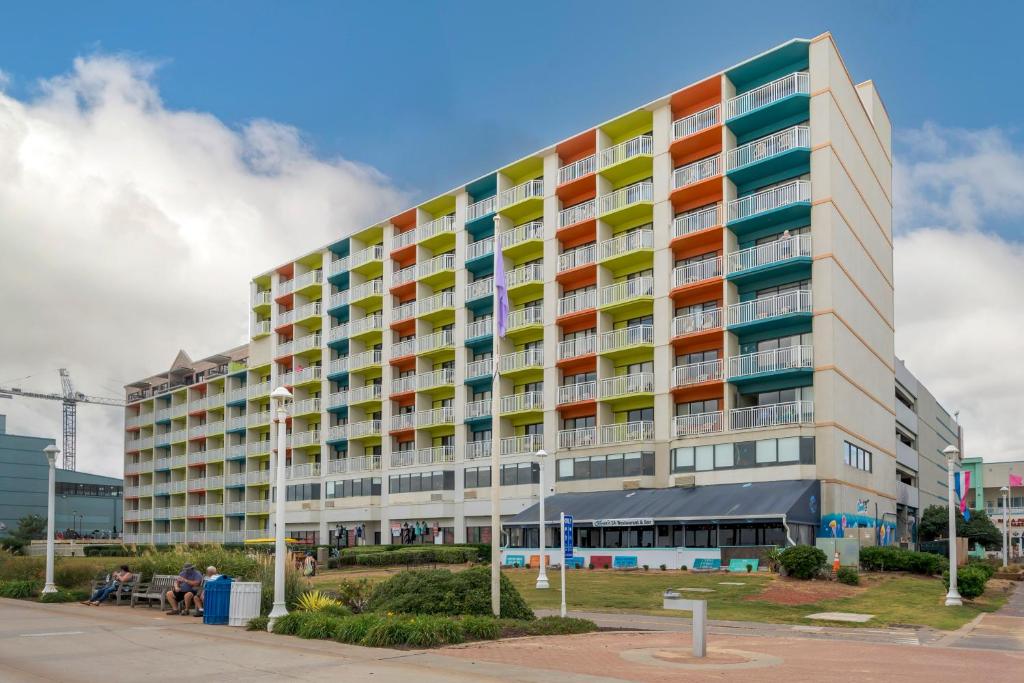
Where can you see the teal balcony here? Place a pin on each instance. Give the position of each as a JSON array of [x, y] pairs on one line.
[[770, 312], [786, 256], [775, 364], [786, 153], [778, 100], [778, 206]]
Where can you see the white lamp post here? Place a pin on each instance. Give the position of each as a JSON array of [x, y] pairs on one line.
[[953, 596], [1006, 520], [51, 460], [280, 609], [542, 577]]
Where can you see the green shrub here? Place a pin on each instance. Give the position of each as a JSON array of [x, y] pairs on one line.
[[63, 595], [354, 629], [417, 555], [257, 624], [553, 626], [970, 581], [355, 594], [985, 566], [317, 625], [289, 624], [13, 544], [109, 551], [387, 632], [22, 568], [336, 610], [294, 586], [803, 561], [234, 563], [480, 628], [848, 575], [78, 574], [888, 558], [432, 631], [18, 589], [438, 591], [662, 567]]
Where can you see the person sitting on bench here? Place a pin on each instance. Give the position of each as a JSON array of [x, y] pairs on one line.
[[119, 577], [211, 573], [186, 585]]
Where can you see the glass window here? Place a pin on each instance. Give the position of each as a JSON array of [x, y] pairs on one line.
[[705, 457], [632, 465], [723, 455], [565, 469], [597, 467], [789, 449], [766, 451], [682, 459]]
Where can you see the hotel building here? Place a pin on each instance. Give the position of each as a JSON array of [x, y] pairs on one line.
[[702, 303]]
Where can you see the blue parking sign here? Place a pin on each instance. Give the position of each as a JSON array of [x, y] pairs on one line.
[[567, 538]]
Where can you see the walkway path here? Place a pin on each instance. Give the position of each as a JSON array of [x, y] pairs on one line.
[[1000, 630]]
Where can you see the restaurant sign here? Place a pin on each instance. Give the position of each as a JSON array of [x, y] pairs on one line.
[[629, 521]]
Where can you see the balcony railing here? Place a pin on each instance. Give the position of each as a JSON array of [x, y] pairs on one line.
[[403, 348], [403, 421], [692, 273], [436, 265], [624, 385], [534, 230], [366, 289], [435, 417], [577, 169], [697, 373], [261, 298], [626, 290], [439, 226], [580, 346], [480, 328], [364, 360], [769, 253], [337, 432], [799, 357], [337, 399], [528, 190], [791, 84], [767, 307], [696, 122], [310, 437], [436, 455], [693, 323], [626, 432], [435, 378], [481, 208], [258, 447], [475, 409], [478, 449], [436, 302], [581, 437], [633, 240], [574, 393], [574, 258], [402, 239], [642, 144], [521, 360], [524, 317], [523, 275], [402, 458], [257, 390], [580, 301], [338, 299], [307, 470], [697, 171], [403, 385], [527, 444], [404, 311], [626, 337], [364, 256], [584, 211], [770, 199], [480, 248], [367, 392], [479, 368], [528, 400], [480, 288], [441, 339], [338, 365], [773, 415], [364, 428], [360, 463], [403, 275], [337, 266], [627, 196], [697, 424], [769, 146]]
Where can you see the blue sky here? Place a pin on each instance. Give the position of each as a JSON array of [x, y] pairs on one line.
[[433, 94]]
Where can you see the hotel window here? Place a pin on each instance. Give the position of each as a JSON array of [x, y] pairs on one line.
[[579, 334], [744, 454], [856, 457], [696, 357], [635, 464], [710, 405]]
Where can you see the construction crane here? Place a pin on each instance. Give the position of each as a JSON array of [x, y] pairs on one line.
[[70, 398]]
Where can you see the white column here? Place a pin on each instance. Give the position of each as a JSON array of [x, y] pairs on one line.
[[496, 450], [280, 609], [953, 596], [51, 458], [542, 576]]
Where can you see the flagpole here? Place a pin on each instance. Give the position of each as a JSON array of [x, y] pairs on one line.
[[499, 329]]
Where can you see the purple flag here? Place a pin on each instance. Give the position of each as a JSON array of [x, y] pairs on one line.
[[500, 289]]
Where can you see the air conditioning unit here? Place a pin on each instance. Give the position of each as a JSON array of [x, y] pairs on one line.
[[628, 484], [469, 495], [436, 497], [684, 480]]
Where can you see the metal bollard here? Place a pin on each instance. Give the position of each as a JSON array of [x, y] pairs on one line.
[[699, 610]]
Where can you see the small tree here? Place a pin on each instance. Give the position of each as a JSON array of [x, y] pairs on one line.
[[31, 528], [979, 530]]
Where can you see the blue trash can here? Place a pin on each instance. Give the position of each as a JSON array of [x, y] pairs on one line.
[[217, 600]]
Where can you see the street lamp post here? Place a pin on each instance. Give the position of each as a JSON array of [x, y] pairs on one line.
[[51, 460], [542, 577], [953, 596], [1006, 520], [280, 609]]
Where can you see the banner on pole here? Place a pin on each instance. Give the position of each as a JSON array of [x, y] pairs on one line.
[[567, 538]]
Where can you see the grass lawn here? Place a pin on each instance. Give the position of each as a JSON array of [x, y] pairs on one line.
[[894, 599]]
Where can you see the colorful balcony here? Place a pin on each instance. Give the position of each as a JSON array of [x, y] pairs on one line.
[[526, 279], [526, 402], [696, 122], [581, 437], [403, 349], [403, 276], [527, 444], [337, 400], [519, 362], [367, 294], [697, 172], [479, 330], [402, 422], [694, 374], [697, 273], [440, 342], [480, 289], [368, 261], [368, 393], [337, 267], [578, 214], [782, 205], [787, 152], [366, 429], [772, 415], [628, 203], [478, 411], [402, 312], [786, 362], [476, 450], [479, 369], [630, 248], [578, 169], [337, 433], [403, 385], [401, 240], [778, 100], [787, 256], [770, 312], [436, 270], [364, 361], [577, 303], [697, 424], [261, 300], [522, 200], [480, 210], [524, 320], [522, 239], [579, 257], [577, 393], [628, 340], [627, 293], [436, 379], [435, 418], [480, 256], [697, 323], [337, 367], [627, 386], [437, 233], [437, 306], [579, 347], [336, 301], [627, 432], [626, 159]]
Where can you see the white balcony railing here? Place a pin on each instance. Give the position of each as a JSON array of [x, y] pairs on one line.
[[436, 455], [402, 421], [697, 373], [435, 417], [577, 169], [402, 458], [261, 298], [693, 323], [257, 418], [308, 470], [524, 317], [367, 289], [766, 307], [480, 288], [527, 444], [580, 346], [402, 239], [403, 275], [338, 299], [337, 432], [367, 255], [699, 271], [435, 265], [624, 385], [697, 171], [435, 302], [337, 266], [521, 360], [520, 193], [480, 248], [626, 337], [525, 274], [528, 400], [480, 327], [475, 409], [403, 385], [584, 211], [773, 415], [580, 256], [364, 360], [367, 392], [481, 208], [442, 339], [435, 378], [625, 243], [403, 348], [777, 251], [309, 437], [581, 437], [696, 122], [769, 146], [626, 432], [697, 424], [627, 196], [364, 428], [626, 290], [338, 365], [479, 368], [438, 226], [478, 449], [404, 311], [534, 230], [767, 200], [640, 145], [369, 323], [574, 393], [791, 84], [799, 357], [337, 399], [362, 463], [580, 301]]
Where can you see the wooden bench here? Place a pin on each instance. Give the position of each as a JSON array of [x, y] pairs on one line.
[[124, 590], [153, 590]]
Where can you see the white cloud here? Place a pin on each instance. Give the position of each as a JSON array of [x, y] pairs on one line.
[[959, 283], [129, 230]]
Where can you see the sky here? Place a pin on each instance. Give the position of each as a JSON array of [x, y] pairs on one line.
[[154, 157]]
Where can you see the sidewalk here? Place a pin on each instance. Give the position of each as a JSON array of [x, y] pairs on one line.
[[1001, 630]]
